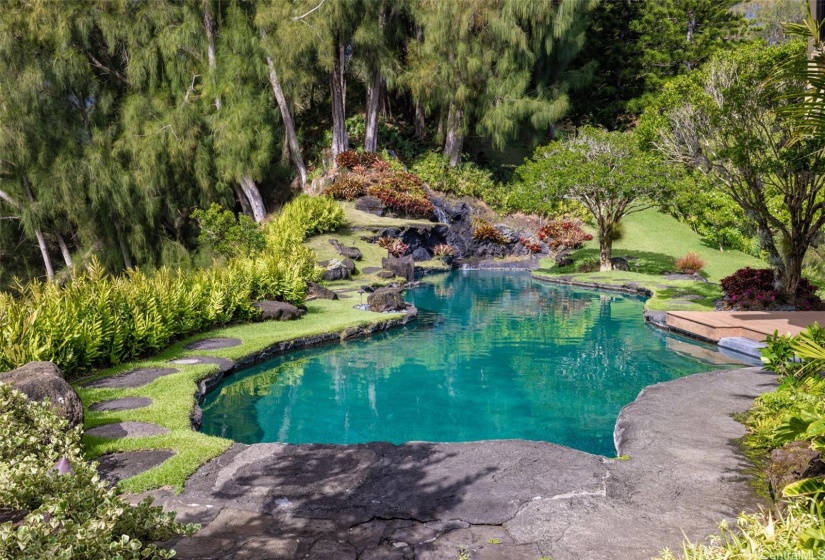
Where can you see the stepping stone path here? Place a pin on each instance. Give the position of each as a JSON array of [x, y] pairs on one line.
[[120, 430], [129, 403], [114, 467], [222, 363], [131, 379], [213, 343]]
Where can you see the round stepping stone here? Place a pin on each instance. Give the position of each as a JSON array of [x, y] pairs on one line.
[[223, 363], [213, 343], [371, 269], [129, 403], [120, 430], [131, 379], [115, 467]]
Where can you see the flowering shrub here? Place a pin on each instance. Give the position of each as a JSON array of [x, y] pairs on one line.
[[444, 251], [750, 288], [530, 244], [394, 247], [690, 263], [485, 231], [347, 186], [566, 233]]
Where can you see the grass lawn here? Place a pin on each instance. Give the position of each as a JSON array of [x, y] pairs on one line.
[[173, 395], [656, 240]]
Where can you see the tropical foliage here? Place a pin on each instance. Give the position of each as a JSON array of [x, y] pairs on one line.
[[70, 513]]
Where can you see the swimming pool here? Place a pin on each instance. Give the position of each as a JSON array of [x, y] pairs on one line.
[[493, 355]]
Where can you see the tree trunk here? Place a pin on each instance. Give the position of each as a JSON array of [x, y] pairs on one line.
[[245, 206], [210, 51], [373, 98], [340, 141], [454, 141], [605, 248], [792, 273], [420, 124], [124, 250], [44, 251], [289, 123], [64, 250], [253, 195]]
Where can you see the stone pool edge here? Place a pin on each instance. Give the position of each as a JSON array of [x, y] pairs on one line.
[[209, 383]]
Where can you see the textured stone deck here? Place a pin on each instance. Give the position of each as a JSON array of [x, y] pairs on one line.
[[494, 499], [755, 325]]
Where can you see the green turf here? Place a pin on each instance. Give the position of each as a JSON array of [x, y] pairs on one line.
[[173, 395], [654, 241]]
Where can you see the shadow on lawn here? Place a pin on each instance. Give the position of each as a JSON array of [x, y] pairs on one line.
[[643, 262]]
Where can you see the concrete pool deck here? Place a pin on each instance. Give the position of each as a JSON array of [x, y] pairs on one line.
[[508, 499]]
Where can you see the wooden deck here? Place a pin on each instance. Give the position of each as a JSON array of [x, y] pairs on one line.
[[755, 325]]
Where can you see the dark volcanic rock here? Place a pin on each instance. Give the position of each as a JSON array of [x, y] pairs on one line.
[[319, 291], [370, 204], [336, 270], [791, 463], [349, 264], [114, 467], [421, 254], [385, 274], [620, 264], [278, 310], [120, 430], [349, 252], [216, 343], [403, 267], [127, 403], [386, 299], [44, 380], [131, 379]]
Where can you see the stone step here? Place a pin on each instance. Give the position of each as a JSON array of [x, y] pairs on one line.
[[213, 343], [131, 379], [128, 403], [119, 430]]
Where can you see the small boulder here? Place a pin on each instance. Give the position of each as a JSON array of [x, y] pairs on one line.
[[508, 234], [385, 274], [421, 254], [349, 264], [620, 263], [41, 380], [403, 267], [791, 463], [336, 270], [320, 292], [349, 252], [371, 205], [278, 310], [386, 299]]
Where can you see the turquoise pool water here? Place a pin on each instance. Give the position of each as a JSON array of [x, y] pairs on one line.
[[493, 355]]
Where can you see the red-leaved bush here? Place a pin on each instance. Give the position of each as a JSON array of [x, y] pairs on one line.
[[752, 288], [347, 186], [394, 246], [530, 244], [402, 192], [564, 233]]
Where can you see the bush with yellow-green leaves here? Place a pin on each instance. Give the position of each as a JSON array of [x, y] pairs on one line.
[[99, 320], [69, 515]]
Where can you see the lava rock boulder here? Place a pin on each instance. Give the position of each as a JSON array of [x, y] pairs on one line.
[[371, 205], [349, 252], [320, 292], [403, 267], [278, 310], [44, 380], [337, 270], [791, 463], [385, 300]]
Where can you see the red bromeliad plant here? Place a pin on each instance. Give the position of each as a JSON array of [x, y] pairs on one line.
[[530, 244], [394, 247], [402, 192], [564, 233]]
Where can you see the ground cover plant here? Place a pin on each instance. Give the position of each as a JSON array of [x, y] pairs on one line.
[[756, 289], [69, 514]]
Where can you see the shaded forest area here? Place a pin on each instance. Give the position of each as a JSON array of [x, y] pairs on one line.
[[119, 118]]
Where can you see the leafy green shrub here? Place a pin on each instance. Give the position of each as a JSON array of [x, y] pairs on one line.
[[567, 233], [67, 516], [226, 234], [98, 320], [691, 263], [485, 231], [588, 264], [347, 186], [466, 179]]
